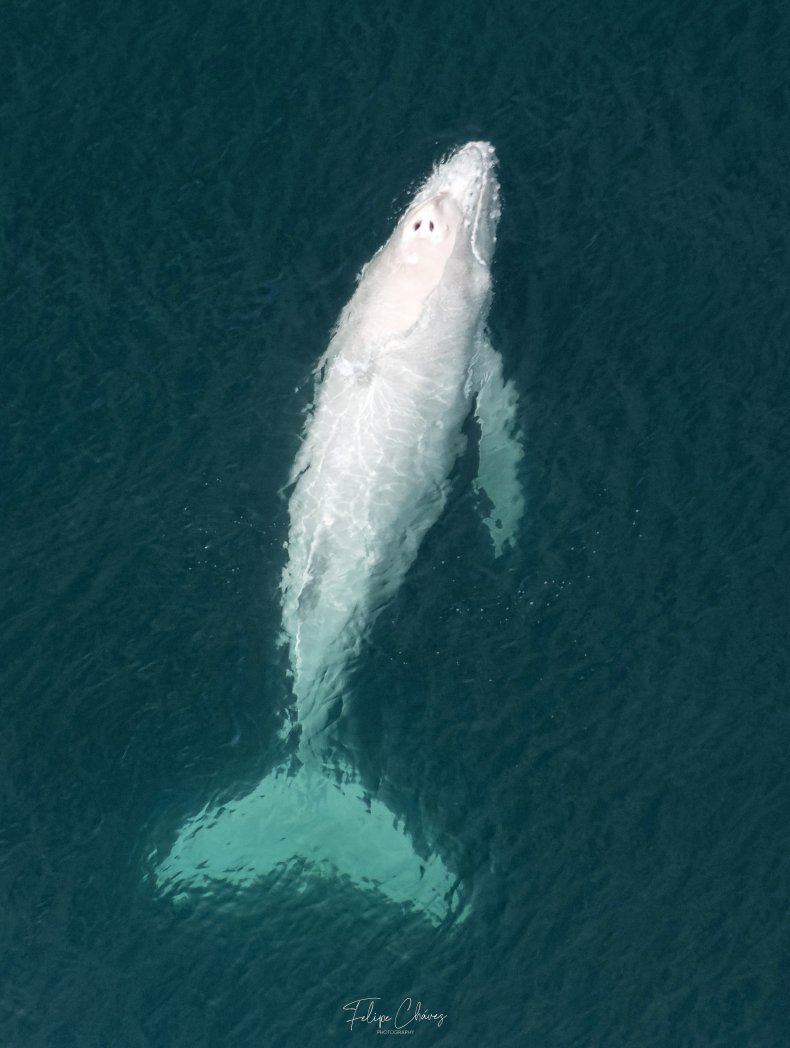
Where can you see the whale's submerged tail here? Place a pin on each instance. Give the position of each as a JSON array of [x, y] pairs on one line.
[[305, 827]]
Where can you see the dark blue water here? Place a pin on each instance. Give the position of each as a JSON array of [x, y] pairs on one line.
[[597, 725]]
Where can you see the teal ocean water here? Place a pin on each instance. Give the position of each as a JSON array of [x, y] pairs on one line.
[[594, 726]]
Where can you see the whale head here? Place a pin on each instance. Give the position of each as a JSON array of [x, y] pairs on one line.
[[461, 191], [453, 215]]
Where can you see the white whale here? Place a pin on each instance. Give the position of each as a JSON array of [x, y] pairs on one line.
[[409, 361]]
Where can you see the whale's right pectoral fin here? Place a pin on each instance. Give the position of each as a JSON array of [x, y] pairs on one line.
[[501, 450]]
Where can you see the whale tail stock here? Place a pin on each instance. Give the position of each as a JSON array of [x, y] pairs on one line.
[[309, 820]]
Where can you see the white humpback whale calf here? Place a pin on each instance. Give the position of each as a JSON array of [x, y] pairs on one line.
[[409, 361]]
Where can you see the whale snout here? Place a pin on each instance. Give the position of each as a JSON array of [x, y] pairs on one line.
[[470, 164], [469, 176]]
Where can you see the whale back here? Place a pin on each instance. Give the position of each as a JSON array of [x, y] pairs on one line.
[[395, 388]]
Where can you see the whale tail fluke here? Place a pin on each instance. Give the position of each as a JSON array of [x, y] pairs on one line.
[[306, 826]]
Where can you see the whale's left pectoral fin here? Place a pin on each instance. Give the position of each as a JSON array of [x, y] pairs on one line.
[[501, 450]]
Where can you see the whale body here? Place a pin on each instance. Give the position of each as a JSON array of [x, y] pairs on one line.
[[409, 359], [408, 362]]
